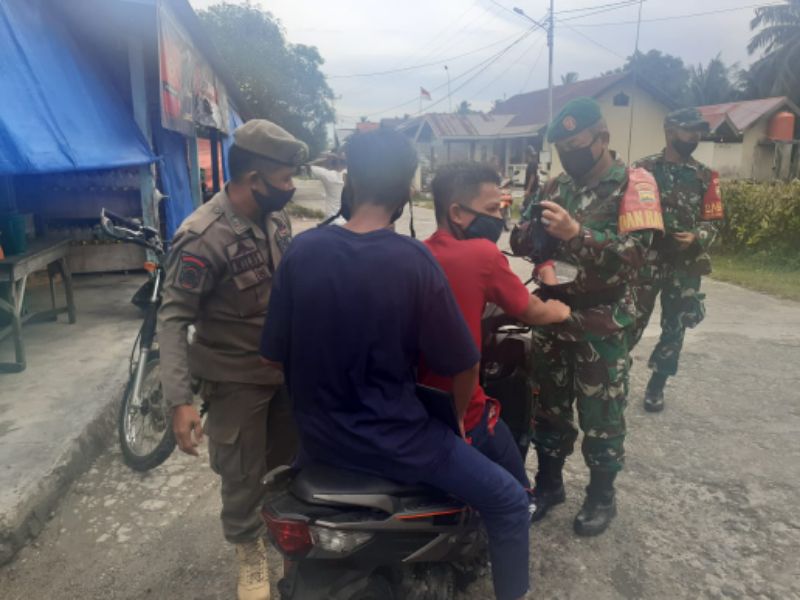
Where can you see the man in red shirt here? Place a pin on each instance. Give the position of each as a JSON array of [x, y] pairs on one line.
[[467, 202]]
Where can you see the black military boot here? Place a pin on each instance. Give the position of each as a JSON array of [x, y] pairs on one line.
[[548, 489], [654, 394], [600, 507]]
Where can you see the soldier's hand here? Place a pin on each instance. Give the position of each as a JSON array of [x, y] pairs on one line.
[[684, 238], [557, 311], [188, 429], [558, 222]]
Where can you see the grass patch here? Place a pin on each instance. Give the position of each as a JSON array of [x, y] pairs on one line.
[[769, 274], [301, 212]]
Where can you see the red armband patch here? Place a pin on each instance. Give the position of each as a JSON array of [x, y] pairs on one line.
[[641, 205], [712, 201]]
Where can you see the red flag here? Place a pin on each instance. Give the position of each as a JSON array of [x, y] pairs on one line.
[[424, 94]]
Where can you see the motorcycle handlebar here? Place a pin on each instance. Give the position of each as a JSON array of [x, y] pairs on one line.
[[124, 221]]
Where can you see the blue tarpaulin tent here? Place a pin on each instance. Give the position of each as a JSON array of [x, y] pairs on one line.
[[56, 111]]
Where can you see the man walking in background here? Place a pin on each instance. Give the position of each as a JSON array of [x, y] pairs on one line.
[[692, 207]]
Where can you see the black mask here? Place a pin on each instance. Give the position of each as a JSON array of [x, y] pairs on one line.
[[578, 162], [685, 149], [483, 226], [275, 200], [346, 203]]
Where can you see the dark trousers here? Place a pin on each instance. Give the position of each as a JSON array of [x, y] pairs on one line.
[[503, 504], [499, 446]]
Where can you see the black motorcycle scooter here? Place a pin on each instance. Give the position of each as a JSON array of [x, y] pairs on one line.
[[350, 536]]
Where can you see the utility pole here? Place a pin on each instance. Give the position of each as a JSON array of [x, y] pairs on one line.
[[549, 28], [449, 98], [550, 67]]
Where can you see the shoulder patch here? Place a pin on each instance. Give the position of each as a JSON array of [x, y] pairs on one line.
[[640, 207], [192, 272], [283, 231]]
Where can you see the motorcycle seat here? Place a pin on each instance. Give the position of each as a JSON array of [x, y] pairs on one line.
[[317, 483]]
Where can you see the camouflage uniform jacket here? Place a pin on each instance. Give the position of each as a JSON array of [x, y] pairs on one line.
[[683, 187], [604, 257]]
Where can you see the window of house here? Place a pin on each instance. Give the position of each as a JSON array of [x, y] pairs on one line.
[[622, 99]]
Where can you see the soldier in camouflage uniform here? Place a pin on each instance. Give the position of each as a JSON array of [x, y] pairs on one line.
[[692, 209], [605, 218]]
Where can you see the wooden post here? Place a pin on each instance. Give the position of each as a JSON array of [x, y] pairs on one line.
[[194, 171], [147, 183], [215, 182]]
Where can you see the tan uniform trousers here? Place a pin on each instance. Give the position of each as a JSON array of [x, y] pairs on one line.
[[250, 431]]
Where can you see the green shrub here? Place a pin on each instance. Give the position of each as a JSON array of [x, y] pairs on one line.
[[761, 218]]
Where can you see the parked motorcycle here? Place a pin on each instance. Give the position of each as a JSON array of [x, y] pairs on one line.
[[351, 536], [144, 423]]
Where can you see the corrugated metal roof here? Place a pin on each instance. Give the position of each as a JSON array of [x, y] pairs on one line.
[[532, 108], [743, 115], [477, 125]]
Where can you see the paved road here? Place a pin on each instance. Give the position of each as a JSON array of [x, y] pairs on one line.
[[707, 503]]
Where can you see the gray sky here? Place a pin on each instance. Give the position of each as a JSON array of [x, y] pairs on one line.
[[367, 36]]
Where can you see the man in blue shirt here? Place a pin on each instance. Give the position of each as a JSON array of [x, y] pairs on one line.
[[352, 310]]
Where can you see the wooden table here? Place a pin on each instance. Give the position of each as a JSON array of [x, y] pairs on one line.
[[14, 270]]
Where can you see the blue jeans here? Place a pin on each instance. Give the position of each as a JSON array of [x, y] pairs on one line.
[[500, 447], [503, 504]]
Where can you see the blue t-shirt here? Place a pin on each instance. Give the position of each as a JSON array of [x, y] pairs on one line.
[[349, 316]]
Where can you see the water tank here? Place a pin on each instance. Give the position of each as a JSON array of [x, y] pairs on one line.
[[781, 127]]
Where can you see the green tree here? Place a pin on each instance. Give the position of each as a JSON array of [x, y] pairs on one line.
[[662, 71], [713, 84], [278, 80], [465, 108], [570, 77], [778, 42]]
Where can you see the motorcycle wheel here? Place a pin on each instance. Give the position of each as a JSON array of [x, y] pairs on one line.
[[145, 432], [377, 588]]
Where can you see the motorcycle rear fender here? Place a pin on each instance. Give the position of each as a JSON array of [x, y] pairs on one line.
[[322, 580]]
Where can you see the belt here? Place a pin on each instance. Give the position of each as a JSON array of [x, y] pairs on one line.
[[580, 300]]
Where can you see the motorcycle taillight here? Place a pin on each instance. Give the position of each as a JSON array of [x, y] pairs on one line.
[[292, 538]]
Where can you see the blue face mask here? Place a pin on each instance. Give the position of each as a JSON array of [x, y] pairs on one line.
[[483, 226]]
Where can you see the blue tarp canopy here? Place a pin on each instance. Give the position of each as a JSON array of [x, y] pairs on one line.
[[57, 112]]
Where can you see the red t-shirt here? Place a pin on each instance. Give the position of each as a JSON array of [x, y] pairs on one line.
[[478, 274]]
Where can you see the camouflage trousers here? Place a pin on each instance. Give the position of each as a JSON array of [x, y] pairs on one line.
[[592, 374], [681, 307]]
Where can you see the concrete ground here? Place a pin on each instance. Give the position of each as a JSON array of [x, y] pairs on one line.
[[707, 502], [55, 416]]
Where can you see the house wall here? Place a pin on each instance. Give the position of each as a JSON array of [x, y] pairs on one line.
[[726, 159], [648, 124]]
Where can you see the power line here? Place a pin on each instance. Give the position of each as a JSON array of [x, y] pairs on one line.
[[464, 74], [488, 64], [422, 66], [674, 17], [532, 69], [595, 42], [514, 63], [613, 5]]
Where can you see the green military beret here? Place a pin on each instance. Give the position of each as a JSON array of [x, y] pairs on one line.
[[264, 138], [577, 115], [687, 118]]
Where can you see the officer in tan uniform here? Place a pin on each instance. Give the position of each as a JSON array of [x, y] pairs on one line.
[[218, 278]]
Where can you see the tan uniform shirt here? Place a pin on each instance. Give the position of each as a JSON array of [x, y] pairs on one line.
[[218, 277]]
